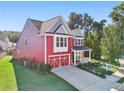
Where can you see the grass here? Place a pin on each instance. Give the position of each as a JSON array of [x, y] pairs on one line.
[[121, 80], [7, 75], [28, 79]]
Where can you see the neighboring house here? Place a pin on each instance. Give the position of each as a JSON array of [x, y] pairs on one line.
[[51, 42], [5, 43]]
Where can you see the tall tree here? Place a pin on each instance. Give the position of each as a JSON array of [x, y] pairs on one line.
[[111, 43], [117, 14], [81, 21]]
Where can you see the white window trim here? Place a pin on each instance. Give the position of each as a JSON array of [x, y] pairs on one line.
[[76, 42], [60, 49], [63, 28]]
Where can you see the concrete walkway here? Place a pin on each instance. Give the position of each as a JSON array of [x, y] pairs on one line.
[[82, 80]]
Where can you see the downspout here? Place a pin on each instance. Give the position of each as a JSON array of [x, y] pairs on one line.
[[45, 48]]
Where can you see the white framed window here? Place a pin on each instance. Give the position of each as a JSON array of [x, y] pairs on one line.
[[60, 43], [78, 42]]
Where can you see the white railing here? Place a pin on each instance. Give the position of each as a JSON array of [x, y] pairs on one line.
[[84, 60]]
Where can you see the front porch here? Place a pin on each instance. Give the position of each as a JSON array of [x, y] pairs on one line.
[[81, 54]]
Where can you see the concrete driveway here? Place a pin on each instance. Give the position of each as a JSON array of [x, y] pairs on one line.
[[82, 80]]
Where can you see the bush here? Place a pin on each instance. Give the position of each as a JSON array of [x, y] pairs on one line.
[[87, 67], [34, 65], [79, 65], [43, 67], [121, 80]]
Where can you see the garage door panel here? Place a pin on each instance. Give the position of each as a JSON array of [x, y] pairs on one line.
[[56, 61]]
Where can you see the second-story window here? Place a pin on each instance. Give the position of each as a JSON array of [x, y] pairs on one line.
[[65, 42], [79, 42], [57, 41], [61, 42]]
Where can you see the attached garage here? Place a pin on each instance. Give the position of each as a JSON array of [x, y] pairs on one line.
[[59, 60]]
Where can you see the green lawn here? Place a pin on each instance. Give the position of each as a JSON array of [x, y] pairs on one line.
[[30, 80], [7, 75]]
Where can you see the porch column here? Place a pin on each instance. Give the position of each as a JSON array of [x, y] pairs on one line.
[[74, 58], [69, 60], [89, 55]]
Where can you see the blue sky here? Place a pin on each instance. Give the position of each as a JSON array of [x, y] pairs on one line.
[[13, 15]]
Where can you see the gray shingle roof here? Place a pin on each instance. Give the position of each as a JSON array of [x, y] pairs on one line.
[[37, 23], [44, 26], [80, 48]]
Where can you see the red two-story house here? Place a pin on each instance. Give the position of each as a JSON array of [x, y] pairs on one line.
[[51, 42]]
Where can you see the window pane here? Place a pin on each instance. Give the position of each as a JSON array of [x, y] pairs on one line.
[[26, 42], [61, 42], [78, 41], [81, 42], [65, 41], [57, 42]]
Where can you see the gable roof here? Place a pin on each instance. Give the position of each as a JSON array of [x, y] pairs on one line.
[[49, 23], [77, 32], [46, 26], [36, 23]]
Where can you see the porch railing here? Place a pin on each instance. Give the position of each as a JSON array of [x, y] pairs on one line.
[[84, 60]]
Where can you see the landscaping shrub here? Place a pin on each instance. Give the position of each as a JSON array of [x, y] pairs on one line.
[[34, 65], [45, 67], [79, 65], [121, 80], [88, 67]]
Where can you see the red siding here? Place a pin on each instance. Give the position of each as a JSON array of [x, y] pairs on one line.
[[49, 48]]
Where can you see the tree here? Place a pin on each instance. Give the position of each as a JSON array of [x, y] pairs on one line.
[[117, 14], [96, 48], [111, 43], [98, 27], [12, 35], [81, 21], [89, 40]]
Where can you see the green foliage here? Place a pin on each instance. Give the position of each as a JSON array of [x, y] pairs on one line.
[[44, 67], [117, 14], [92, 41], [89, 40], [88, 67], [121, 80], [12, 35], [112, 44], [82, 21]]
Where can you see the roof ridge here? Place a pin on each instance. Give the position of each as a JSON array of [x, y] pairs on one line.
[[53, 18], [35, 20]]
